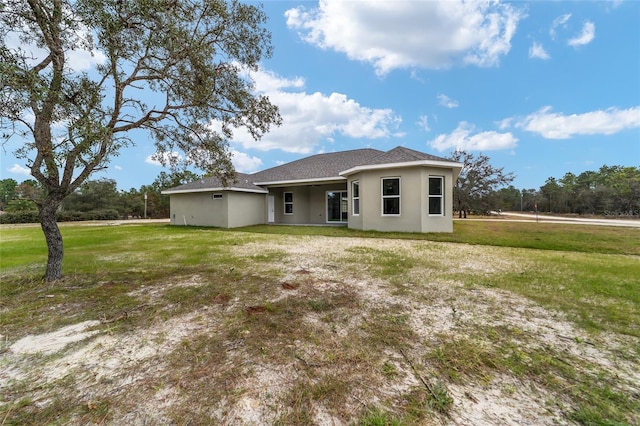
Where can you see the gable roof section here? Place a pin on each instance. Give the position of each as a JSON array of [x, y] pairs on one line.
[[401, 154], [404, 157], [319, 167], [243, 183]]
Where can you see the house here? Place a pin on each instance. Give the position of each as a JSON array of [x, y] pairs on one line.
[[398, 190]]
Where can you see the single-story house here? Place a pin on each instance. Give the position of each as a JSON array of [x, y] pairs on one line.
[[398, 190]]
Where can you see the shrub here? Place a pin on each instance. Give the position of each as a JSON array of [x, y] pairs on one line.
[[24, 216]]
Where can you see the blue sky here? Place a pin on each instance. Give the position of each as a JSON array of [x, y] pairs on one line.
[[542, 87]]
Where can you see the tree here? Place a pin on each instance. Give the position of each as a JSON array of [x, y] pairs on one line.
[[550, 191], [29, 189], [171, 67], [7, 191], [159, 202], [477, 182], [94, 195], [510, 198]]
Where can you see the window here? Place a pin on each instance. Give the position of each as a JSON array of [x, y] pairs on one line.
[[391, 196], [436, 195], [337, 203], [355, 195], [216, 196], [288, 203]]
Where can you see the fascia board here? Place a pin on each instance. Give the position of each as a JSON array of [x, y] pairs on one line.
[[430, 163], [189, 191], [300, 181]]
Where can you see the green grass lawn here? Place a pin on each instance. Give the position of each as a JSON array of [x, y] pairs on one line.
[[588, 274]]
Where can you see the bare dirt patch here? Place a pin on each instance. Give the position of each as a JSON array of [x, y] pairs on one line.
[[333, 337]]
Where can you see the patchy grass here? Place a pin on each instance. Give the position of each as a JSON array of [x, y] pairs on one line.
[[541, 236], [519, 322]]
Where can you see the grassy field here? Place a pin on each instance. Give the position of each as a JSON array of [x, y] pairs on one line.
[[542, 314]]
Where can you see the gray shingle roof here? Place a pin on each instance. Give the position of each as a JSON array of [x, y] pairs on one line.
[[401, 154], [243, 182], [318, 166], [315, 167]]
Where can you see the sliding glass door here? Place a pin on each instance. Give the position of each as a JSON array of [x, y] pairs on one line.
[[337, 205]]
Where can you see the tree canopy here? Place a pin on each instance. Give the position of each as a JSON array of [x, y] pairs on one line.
[[178, 69], [477, 183]]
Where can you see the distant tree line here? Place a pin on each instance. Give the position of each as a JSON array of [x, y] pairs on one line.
[[480, 188], [610, 191], [93, 200]]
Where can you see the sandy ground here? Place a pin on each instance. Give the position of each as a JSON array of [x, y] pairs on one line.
[[104, 363]]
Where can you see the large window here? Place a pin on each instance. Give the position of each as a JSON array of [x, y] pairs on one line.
[[436, 195], [337, 204], [288, 203], [355, 195], [391, 196]]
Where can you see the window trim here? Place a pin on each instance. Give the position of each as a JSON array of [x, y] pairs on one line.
[[287, 203], [384, 197], [440, 196], [355, 211]]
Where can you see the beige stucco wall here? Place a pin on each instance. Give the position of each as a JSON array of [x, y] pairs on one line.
[[246, 208], [232, 210], [414, 216], [309, 203]]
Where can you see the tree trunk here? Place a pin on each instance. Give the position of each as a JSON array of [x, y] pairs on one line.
[[47, 213]]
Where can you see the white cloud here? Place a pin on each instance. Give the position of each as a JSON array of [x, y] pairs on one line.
[[552, 125], [446, 101], [537, 51], [166, 157], [268, 81], [77, 60], [423, 123], [424, 34], [560, 21], [462, 139], [586, 36], [19, 170], [312, 118], [245, 163], [118, 168], [505, 123]]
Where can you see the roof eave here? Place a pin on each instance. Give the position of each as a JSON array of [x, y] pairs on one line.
[[429, 163], [218, 189], [301, 181]]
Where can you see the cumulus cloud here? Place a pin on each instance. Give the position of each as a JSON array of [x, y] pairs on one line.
[[463, 139], [537, 51], [401, 35], [19, 170], [312, 118], [586, 36], [269, 82], [446, 101], [552, 125], [244, 162]]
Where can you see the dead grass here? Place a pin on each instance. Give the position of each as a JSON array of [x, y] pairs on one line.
[[328, 331]]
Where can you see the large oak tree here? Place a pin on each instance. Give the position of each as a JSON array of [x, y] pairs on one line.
[[170, 67], [477, 182]]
